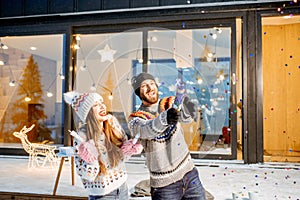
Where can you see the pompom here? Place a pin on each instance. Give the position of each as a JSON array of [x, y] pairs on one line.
[[69, 96]]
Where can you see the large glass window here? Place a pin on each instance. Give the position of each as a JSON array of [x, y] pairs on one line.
[[104, 65], [201, 58], [31, 75]]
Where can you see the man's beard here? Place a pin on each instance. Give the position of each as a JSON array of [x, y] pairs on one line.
[[150, 100]]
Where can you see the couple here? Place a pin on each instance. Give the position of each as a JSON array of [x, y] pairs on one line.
[[172, 171]]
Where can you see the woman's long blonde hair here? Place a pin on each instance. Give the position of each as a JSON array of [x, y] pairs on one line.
[[113, 139]]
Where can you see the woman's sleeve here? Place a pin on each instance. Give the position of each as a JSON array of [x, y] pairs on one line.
[[85, 170]]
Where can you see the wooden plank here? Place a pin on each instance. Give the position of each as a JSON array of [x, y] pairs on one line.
[[281, 76]]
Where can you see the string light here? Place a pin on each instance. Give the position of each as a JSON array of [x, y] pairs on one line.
[[76, 46], [209, 55], [62, 77], [2, 55], [219, 30], [93, 87], [213, 35], [12, 83], [27, 99], [33, 48], [200, 81], [3, 46], [49, 94], [222, 77]]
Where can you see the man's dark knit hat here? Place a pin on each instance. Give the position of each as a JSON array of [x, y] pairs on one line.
[[136, 81]]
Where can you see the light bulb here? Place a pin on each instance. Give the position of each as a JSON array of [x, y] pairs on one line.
[[214, 36], [4, 46], [12, 83], [33, 48], [222, 77], [49, 94], [83, 68], [76, 46], [128, 81], [93, 87], [27, 99], [215, 103], [200, 81], [209, 59]]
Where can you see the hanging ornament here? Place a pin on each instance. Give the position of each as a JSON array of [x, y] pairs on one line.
[[107, 54]]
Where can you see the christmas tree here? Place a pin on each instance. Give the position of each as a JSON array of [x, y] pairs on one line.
[[31, 111]]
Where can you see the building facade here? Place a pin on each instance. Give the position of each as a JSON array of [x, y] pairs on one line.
[[238, 59]]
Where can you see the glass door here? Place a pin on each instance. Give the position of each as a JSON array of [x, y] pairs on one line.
[[202, 59]]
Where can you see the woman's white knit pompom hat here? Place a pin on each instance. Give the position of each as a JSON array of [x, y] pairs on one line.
[[81, 102]]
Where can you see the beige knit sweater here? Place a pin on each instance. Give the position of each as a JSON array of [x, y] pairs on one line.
[[167, 155]]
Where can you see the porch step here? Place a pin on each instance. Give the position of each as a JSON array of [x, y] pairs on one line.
[[25, 196]]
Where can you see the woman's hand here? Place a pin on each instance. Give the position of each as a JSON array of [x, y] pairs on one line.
[[88, 151]]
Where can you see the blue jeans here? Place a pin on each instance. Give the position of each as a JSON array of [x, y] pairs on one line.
[[188, 188], [119, 194]]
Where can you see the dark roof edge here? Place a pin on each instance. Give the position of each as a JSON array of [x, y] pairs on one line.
[[201, 5]]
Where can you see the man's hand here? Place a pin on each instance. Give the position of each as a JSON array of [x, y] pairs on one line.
[[172, 116], [191, 108]]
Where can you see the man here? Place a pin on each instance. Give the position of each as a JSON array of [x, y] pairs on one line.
[[172, 171]]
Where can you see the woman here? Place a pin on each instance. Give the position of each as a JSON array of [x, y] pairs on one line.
[[100, 149]]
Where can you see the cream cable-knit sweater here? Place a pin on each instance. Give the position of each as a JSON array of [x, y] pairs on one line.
[[102, 184], [167, 155]]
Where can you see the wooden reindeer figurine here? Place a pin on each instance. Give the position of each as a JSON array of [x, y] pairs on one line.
[[36, 151]]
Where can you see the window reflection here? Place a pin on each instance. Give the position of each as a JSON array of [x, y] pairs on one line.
[[201, 57]]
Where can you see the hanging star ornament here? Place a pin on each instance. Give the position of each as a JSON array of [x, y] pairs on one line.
[[107, 54]]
